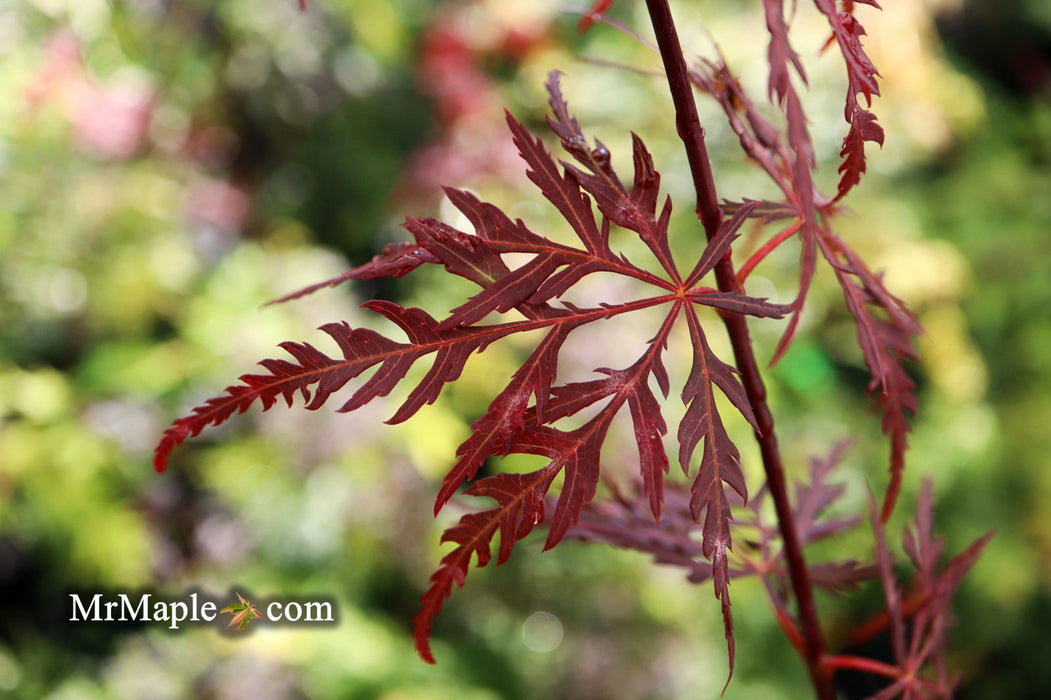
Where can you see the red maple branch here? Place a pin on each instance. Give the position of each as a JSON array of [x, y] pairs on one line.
[[692, 134]]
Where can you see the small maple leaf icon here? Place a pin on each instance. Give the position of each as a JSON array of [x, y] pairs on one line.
[[243, 613]]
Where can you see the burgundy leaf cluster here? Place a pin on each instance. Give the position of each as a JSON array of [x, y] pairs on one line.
[[885, 325], [711, 529], [918, 615], [523, 418]]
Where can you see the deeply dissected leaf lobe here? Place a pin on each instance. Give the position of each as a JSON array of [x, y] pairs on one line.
[[524, 418]]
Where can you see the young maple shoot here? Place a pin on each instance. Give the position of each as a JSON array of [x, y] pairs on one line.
[[692, 529]]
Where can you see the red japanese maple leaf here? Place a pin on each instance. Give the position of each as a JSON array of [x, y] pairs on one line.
[[918, 615], [526, 417], [885, 326]]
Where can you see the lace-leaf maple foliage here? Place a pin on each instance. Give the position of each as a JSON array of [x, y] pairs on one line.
[[566, 424], [524, 417]]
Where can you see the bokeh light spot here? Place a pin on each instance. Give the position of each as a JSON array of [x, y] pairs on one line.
[[542, 631]]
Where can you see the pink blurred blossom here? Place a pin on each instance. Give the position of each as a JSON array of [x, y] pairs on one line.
[[110, 122], [217, 205], [473, 140]]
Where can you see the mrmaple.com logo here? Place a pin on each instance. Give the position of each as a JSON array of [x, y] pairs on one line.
[[197, 609]]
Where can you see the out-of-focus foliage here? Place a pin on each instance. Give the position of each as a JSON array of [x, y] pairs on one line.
[[167, 167]]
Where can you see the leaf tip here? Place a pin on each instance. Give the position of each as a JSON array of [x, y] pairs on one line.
[[592, 15], [172, 437], [423, 649]]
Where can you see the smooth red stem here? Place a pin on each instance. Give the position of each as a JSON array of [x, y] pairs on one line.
[[860, 663], [767, 248], [691, 132]]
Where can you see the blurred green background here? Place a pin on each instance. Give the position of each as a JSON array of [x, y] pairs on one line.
[[168, 167]]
